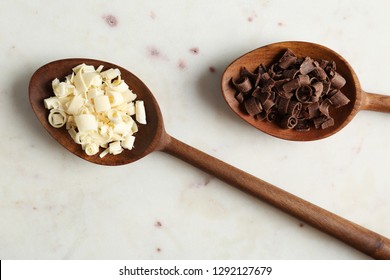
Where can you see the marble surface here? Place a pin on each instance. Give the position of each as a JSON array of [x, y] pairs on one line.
[[54, 205]]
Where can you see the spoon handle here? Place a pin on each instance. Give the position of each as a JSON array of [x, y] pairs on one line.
[[358, 237], [376, 102]]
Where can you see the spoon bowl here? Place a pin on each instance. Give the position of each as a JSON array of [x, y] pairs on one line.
[[270, 54], [147, 138], [153, 137]]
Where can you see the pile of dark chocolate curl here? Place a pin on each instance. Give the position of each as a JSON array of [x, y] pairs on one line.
[[294, 92]]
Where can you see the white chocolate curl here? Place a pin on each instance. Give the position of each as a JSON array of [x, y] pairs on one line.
[[140, 114], [86, 122], [57, 118], [91, 149], [97, 108]]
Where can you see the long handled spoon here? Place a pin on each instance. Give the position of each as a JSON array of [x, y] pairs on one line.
[[153, 137], [359, 99]]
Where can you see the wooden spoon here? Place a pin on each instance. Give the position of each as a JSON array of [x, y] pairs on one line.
[[153, 137], [267, 55]]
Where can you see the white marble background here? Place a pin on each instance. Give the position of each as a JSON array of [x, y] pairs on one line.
[[54, 205]]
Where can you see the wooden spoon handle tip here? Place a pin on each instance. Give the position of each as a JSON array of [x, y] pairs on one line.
[[376, 102]]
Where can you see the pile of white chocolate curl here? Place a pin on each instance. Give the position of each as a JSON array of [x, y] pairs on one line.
[[97, 108]]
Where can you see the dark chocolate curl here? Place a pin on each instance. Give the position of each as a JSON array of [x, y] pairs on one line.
[[240, 97], [261, 69], [330, 69], [303, 94], [323, 63], [319, 121], [302, 125], [265, 96], [271, 115], [246, 73], [288, 122], [318, 89], [339, 99], [243, 84], [294, 108], [313, 110], [304, 80], [254, 78], [265, 76], [252, 106], [262, 116], [257, 81], [257, 92], [337, 81], [277, 72], [328, 123], [290, 73], [268, 85], [267, 100], [320, 73], [303, 113], [307, 66], [279, 88], [283, 105], [324, 107], [268, 104], [326, 87], [291, 85], [332, 64], [287, 59]]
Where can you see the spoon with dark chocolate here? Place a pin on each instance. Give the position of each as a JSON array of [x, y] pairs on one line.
[[296, 91], [153, 137]]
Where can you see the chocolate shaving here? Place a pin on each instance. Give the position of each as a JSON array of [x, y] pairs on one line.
[[324, 107], [304, 80], [338, 99], [283, 105], [287, 59], [302, 125], [252, 106], [271, 115], [268, 85], [261, 69], [265, 76], [288, 122], [307, 66], [318, 89], [256, 92], [337, 81], [328, 123], [246, 73], [326, 87], [319, 73], [313, 110], [294, 108], [290, 73], [296, 92], [240, 97], [267, 100], [304, 94], [323, 63], [291, 85], [318, 121], [243, 84]]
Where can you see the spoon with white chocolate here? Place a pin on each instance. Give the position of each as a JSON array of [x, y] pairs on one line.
[[153, 137]]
